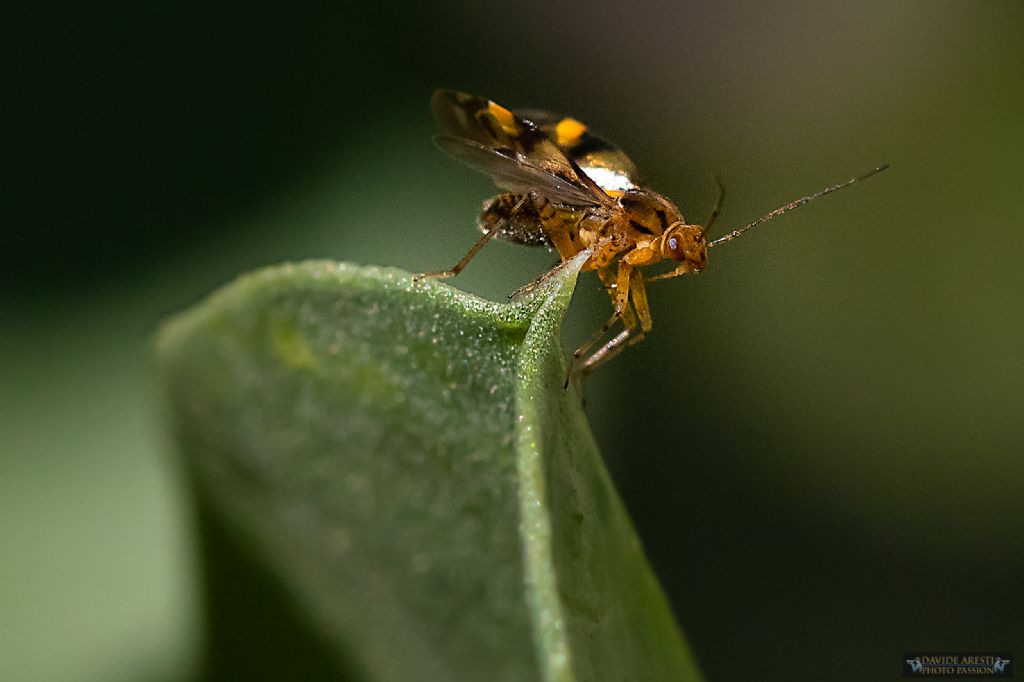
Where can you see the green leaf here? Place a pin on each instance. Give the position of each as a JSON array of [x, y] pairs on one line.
[[392, 484]]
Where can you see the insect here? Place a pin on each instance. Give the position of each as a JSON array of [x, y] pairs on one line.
[[566, 188]]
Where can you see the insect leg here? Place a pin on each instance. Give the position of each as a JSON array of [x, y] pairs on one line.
[[560, 239], [588, 344], [458, 267], [625, 338], [623, 311], [559, 228], [638, 293], [604, 253], [543, 277], [475, 249], [678, 272], [620, 297], [633, 333]]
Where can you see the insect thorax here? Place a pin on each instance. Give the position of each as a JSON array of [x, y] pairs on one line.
[[648, 213]]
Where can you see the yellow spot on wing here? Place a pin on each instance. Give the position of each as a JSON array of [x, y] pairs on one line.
[[503, 116], [568, 131]]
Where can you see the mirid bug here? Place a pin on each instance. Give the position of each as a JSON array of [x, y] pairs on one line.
[[569, 189]]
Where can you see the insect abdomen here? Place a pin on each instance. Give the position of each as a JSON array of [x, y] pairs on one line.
[[524, 226]]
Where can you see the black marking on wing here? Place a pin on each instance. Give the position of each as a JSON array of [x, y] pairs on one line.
[[588, 150], [463, 115], [589, 143]]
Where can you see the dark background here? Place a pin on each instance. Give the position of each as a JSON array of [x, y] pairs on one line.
[[820, 442]]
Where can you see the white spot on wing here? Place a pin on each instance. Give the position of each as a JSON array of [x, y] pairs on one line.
[[608, 179]]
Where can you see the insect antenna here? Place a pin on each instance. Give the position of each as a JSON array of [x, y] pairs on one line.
[[795, 204]]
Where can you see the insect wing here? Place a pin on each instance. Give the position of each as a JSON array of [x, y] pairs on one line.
[[478, 119], [524, 157], [607, 165], [512, 173]]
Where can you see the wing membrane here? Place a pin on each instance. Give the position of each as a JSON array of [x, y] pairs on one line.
[[517, 154], [513, 173]]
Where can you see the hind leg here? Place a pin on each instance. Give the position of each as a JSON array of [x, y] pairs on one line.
[[475, 249], [458, 267], [632, 334]]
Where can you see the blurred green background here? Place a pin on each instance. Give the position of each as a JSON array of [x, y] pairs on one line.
[[821, 442]]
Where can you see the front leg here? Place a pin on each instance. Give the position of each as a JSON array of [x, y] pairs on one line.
[[589, 343], [620, 297], [620, 286], [633, 334], [622, 312], [625, 338]]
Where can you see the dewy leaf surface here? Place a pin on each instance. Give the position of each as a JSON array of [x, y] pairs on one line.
[[392, 485]]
